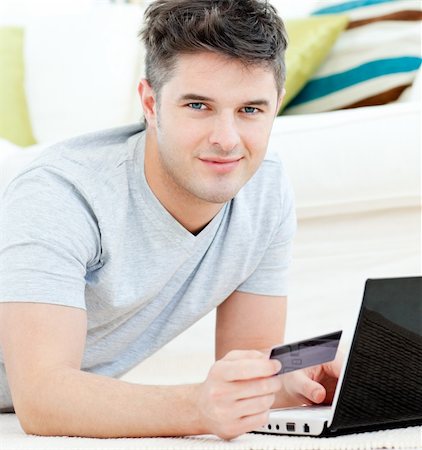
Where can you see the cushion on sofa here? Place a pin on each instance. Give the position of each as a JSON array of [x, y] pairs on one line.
[[14, 119], [310, 40], [372, 62]]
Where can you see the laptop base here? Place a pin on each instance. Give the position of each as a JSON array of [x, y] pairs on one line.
[[327, 432]]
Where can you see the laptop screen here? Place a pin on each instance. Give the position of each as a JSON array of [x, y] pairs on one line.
[[383, 379]]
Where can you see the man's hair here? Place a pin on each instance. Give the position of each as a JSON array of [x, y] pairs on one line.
[[250, 31]]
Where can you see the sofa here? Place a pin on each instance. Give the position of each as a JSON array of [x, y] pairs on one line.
[[356, 172], [81, 73]]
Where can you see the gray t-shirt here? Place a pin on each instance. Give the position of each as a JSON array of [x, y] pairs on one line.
[[81, 227]]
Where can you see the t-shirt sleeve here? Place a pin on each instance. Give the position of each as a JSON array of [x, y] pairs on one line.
[[49, 237], [271, 275]]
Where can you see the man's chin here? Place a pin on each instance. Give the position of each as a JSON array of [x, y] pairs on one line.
[[218, 198], [215, 190]]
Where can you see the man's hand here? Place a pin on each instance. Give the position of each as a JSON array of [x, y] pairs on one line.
[[309, 386], [238, 393]]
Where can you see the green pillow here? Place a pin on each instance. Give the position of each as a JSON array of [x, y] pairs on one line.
[[310, 41], [14, 118]]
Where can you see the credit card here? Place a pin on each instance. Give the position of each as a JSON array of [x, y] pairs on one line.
[[307, 353]]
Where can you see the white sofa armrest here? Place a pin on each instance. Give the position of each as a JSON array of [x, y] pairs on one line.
[[352, 160]]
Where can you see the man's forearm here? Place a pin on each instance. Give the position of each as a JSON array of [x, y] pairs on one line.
[[75, 403]]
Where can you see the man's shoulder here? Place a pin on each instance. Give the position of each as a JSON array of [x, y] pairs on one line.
[[103, 144], [87, 157], [102, 138]]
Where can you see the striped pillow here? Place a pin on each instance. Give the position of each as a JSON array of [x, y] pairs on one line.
[[375, 59]]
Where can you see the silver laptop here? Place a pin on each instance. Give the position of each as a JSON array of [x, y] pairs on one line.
[[381, 381]]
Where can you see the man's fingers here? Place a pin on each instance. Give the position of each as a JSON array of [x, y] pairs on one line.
[[248, 369], [255, 388], [312, 390], [301, 385], [249, 423], [239, 391], [253, 406], [244, 354], [333, 368]]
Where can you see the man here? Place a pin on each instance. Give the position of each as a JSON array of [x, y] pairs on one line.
[[115, 242]]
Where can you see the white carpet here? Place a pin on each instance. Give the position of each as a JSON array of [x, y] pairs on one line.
[[408, 438]]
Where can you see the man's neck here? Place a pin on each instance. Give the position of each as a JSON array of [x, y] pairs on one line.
[[191, 212]]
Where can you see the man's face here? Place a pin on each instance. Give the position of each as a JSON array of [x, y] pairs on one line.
[[211, 126]]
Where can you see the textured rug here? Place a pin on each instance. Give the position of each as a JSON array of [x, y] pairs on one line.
[[13, 438]]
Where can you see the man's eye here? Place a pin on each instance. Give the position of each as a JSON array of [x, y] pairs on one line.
[[196, 105], [250, 110]]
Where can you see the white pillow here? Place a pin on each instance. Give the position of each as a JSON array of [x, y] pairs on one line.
[[82, 70], [352, 160]]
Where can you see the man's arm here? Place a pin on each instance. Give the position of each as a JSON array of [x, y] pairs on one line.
[[249, 321], [43, 347]]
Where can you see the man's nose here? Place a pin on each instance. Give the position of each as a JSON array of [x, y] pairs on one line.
[[225, 134]]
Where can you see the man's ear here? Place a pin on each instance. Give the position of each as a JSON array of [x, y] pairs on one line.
[[280, 100], [148, 101]]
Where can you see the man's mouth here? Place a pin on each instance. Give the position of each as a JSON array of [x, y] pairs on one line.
[[221, 160], [221, 165]]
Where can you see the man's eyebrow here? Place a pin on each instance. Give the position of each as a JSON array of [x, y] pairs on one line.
[[258, 102], [195, 97], [202, 98]]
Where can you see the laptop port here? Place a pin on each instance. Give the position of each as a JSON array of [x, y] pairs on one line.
[[290, 426], [306, 428]]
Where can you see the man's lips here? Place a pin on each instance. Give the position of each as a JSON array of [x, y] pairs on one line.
[[221, 165], [221, 160]]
